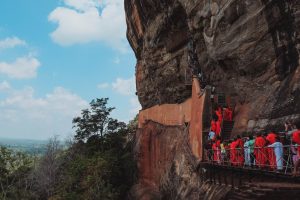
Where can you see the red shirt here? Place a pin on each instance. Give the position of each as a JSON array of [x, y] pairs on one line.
[[228, 114], [233, 145], [271, 138], [219, 114], [218, 143], [296, 137], [260, 142], [218, 128], [214, 146], [240, 143]]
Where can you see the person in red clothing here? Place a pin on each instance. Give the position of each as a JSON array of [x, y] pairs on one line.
[[240, 151], [218, 128], [233, 152], [271, 138], [259, 151], [216, 125], [213, 125], [219, 113], [217, 150], [228, 114], [296, 139]]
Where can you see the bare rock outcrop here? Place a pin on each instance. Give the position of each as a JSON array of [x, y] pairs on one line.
[[246, 48], [167, 167]]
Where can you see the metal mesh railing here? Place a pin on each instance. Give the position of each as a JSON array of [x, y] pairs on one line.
[[273, 159]]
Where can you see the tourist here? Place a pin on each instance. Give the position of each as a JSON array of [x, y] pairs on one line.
[[289, 128], [247, 152], [213, 125], [294, 153], [296, 139], [223, 151], [251, 148], [227, 114], [266, 152], [233, 153], [259, 151], [216, 126], [211, 135], [240, 151], [277, 147], [271, 139], [217, 150], [287, 153], [219, 113]]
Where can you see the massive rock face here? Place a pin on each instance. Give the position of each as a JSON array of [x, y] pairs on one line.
[[248, 49]]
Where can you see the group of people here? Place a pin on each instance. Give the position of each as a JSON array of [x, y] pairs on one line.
[[268, 150], [262, 151], [219, 115]]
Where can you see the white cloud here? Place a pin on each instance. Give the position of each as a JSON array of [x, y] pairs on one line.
[[22, 68], [85, 21], [27, 114], [82, 5], [60, 102], [124, 86], [103, 86], [135, 106], [11, 42], [4, 86]]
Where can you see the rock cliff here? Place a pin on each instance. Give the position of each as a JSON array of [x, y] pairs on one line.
[[248, 49]]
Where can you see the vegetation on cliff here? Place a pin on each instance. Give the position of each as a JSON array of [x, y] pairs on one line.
[[98, 163]]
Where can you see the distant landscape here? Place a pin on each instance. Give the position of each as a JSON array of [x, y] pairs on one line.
[[32, 147], [96, 163]]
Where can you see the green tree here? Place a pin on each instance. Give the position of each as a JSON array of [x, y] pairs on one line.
[[15, 167], [96, 121], [99, 164]]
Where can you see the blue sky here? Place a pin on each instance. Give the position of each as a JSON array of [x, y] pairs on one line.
[[55, 57]]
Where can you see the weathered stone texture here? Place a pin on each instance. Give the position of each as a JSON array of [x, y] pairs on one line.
[[167, 167], [246, 48]]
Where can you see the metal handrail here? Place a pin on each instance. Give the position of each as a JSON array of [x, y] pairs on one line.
[[263, 158]]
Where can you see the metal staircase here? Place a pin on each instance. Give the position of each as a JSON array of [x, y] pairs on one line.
[[227, 129], [222, 99]]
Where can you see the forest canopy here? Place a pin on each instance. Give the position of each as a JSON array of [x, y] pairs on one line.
[[96, 164]]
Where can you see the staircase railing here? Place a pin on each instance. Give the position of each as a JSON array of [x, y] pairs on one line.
[[260, 158]]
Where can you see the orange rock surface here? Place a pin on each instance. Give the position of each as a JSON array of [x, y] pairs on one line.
[[167, 114], [190, 111]]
